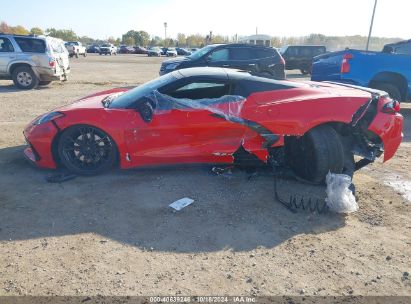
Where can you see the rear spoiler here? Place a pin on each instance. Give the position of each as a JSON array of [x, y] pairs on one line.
[[375, 93]]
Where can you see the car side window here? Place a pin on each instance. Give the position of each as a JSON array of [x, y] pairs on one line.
[[404, 49], [6, 46], [264, 53], [305, 52], [31, 45], [241, 54], [200, 90], [219, 55], [292, 51]]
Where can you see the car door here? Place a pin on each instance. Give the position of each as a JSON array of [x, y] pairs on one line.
[[190, 125], [243, 58], [218, 58], [6, 54]]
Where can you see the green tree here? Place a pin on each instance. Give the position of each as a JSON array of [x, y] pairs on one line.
[[181, 39], [4, 28], [66, 35], [196, 40], [19, 30], [128, 40], [142, 38], [217, 39], [36, 31]]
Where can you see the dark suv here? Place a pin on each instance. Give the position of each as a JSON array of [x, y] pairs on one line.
[[300, 57], [258, 60], [402, 47]]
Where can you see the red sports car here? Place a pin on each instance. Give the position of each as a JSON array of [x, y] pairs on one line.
[[216, 115]]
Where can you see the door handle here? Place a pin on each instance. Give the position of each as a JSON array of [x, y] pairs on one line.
[[226, 65], [252, 64], [12, 57]]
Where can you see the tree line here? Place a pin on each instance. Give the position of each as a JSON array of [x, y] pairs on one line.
[[142, 38]]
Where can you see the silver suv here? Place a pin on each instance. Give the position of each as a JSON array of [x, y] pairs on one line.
[[32, 60]]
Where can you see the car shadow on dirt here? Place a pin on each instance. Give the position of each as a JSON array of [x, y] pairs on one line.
[[131, 207], [12, 88]]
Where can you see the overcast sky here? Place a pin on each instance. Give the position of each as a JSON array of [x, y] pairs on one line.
[[104, 18]]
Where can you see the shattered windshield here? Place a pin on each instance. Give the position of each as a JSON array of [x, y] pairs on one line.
[[127, 99]]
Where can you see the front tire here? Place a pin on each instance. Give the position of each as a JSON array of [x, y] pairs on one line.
[[86, 150], [24, 78], [316, 153]]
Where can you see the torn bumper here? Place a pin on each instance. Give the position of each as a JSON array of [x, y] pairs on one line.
[[39, 140], [389, 128]]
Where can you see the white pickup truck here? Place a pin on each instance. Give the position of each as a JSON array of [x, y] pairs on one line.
[[75, 48]]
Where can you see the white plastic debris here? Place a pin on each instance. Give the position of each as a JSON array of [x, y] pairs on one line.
[[181, 203], [340, 199]]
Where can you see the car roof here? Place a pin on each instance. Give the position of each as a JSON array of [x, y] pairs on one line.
[[232, 74], [214, 72], [398, 43]]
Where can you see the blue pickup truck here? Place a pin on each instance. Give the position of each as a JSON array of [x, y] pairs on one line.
[[386, 71]]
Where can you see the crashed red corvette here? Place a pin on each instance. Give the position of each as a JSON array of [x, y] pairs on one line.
[[220, 116]]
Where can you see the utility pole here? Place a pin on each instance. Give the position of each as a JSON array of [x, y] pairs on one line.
[[165, 30], [372, 23]]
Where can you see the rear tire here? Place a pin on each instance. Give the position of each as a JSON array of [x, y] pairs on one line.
[[86, 150], [85, 54], [316, 153], [391, 89], [24, 78]]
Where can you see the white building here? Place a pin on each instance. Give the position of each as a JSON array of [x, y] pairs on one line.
[[257, 39]]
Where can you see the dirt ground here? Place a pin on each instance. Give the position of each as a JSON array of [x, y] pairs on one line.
[[114, 234]]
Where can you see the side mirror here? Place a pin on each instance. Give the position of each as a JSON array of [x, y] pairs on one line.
[[146, 110]]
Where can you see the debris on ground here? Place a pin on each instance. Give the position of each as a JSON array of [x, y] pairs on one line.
[[181, 203], [60, 177], [340, 198], [223, 171]]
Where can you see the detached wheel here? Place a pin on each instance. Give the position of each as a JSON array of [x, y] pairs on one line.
[[86, 150], [311, 156], [392, 90], [24, 78]]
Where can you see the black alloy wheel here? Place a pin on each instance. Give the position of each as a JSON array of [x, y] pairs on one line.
[[86, 150]]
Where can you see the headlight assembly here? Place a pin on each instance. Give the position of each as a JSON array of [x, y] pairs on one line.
[[47, 117]]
